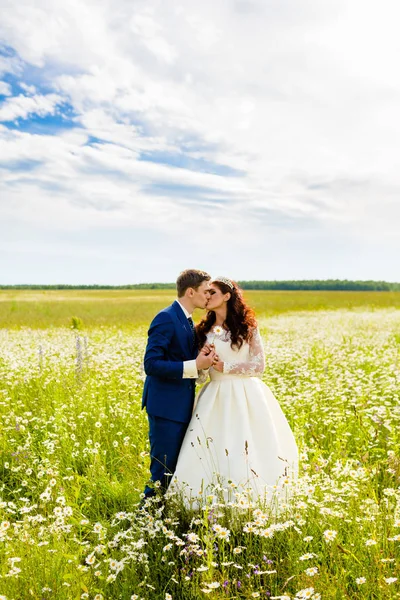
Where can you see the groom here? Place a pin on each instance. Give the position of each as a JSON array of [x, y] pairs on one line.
[[171, 363]]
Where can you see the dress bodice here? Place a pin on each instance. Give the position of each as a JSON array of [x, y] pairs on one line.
[[246, 361]]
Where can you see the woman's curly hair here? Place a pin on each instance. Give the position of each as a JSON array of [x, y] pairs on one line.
[[240, 319]]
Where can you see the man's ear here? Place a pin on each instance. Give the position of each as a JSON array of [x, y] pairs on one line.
[[189, 293]]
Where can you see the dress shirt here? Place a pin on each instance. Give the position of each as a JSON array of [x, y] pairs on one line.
[[189, 366]]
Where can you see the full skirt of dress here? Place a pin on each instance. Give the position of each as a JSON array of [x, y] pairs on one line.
[[238, 439]]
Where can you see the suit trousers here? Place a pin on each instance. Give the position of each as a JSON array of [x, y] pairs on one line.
[[166, 439]]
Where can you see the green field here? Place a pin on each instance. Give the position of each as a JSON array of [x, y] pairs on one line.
[[41, 309], [74, 456]]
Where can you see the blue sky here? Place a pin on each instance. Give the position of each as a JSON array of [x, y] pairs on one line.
[[255, 139]]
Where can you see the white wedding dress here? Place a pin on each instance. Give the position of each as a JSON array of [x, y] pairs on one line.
[[238, 438]]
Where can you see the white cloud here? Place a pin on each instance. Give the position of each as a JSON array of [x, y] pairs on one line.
[[295, 97], [21, 107], [5, 89], [10, 64]]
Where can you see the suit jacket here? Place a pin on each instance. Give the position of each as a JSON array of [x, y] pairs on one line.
[[170, 343]]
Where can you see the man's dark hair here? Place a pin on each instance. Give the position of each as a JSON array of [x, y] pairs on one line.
[[191, 278]]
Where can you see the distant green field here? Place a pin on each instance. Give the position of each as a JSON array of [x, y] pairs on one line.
[[132, 308]]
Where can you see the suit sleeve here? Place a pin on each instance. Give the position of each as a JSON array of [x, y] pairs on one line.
[[156, 362]]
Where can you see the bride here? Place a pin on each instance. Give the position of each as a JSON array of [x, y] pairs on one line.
[[238, 438]]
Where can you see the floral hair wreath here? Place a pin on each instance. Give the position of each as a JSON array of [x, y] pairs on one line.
[[224, 280]]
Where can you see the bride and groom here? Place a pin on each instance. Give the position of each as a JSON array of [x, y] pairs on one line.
[[238, 434]]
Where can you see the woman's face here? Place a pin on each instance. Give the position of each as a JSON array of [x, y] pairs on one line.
[[216, 298]]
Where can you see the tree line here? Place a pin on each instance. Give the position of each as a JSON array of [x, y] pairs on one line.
[[289, 285]]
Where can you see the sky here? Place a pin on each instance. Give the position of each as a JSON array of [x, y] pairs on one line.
[[255, 139]]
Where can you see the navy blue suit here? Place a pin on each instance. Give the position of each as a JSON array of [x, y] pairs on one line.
[[168, 397]]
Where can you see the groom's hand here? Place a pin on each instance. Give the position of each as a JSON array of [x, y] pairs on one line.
[[205, 361]]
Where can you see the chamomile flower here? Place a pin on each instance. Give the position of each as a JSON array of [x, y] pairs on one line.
[[329, 535]]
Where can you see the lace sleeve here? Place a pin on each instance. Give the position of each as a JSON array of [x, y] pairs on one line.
[[256, 363], [202, 376]]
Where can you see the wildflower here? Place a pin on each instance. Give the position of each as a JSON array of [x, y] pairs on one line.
[[311, 571], [115, 565], [218, 330], [307, 556], [306, 593], [387, 560], [267, 533], [360, 580], [255, 595], [370, 543], [249, 528], [222, 533], [168, 597], [390, 580], [237, 550], [329, 535], [90, 560], [213, 585], [98, 597]]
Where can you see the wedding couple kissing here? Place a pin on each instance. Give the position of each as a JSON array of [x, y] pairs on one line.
[[234, 434]]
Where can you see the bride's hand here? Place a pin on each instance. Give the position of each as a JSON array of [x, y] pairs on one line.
[[207, 348], [218, 365]]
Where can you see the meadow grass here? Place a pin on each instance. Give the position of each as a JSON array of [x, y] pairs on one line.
[[74, 460], [130, 308]]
